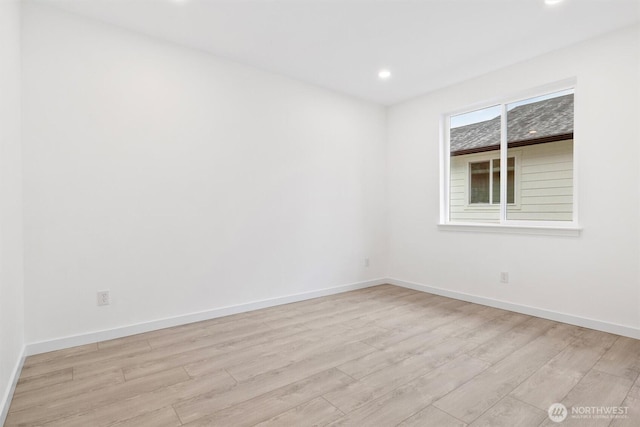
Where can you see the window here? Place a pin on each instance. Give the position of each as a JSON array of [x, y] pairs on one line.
[[484, 181], [533, 135], [480, 182]]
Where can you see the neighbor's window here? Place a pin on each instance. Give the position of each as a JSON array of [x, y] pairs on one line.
[[484, 184], [534, 136]]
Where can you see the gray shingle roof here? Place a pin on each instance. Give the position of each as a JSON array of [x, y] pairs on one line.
[[547, 118]]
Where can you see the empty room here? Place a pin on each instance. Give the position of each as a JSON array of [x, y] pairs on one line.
[[319, 213]]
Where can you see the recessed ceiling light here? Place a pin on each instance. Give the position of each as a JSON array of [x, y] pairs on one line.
[[533, 131], [552, 2], [384, 74]]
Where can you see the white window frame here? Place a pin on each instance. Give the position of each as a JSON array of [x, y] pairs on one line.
[[505, 225]]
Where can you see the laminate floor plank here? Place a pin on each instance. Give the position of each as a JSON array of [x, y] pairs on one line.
[[67, 390], [552, 382], [80, 403], [435, 352], [59, 354], [444, 323], [622, 359], [512, 340], [443, 312], [635, 390], [258, 359], [268, 405], [164, 417], [510, 412], [215, 333], [86, 359], [44, 380], [140, 405], [162, 357], [390, 378], [491, 328], [316, 412], [363, 314], [210, 403], [472, 399], [372, 362], [320, 319], [631, 416], [147, 365], [277, 346], [247, 370], [596, 389], [411, 398], [380, 356], [191, 351], [431, 417]]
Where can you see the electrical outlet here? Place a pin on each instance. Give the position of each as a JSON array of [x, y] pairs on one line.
[[366, 262], [504, 277], [104, 298]]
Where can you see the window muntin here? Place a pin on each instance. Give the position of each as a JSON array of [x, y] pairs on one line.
[[538, 184]]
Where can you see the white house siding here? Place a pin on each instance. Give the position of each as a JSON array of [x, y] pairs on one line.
[[544, 185]]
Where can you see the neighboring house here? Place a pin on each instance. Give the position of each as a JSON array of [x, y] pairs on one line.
[[540, 166]]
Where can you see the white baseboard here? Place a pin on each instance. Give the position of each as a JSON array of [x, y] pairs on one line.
[[97, 336], [5, 403], [108, 334], [599, 325]]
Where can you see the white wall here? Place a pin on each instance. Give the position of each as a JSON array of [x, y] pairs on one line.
[[11, 277], [594, 275], [182, 182], [185, 183]]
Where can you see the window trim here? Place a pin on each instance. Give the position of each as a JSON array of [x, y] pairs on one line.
[[570, 228]]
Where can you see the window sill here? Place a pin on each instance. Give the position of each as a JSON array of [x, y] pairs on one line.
[[543, 230]]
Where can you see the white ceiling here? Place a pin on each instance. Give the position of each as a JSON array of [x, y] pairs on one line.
[[341, 44]]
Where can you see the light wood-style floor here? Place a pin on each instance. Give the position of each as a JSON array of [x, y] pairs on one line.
[[382, 356]]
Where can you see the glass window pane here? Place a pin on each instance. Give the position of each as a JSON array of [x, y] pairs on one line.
[[542, 116], [474, 132], [511, 179], [474, 138], [540, 134], [511, 162], [479, 182]]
